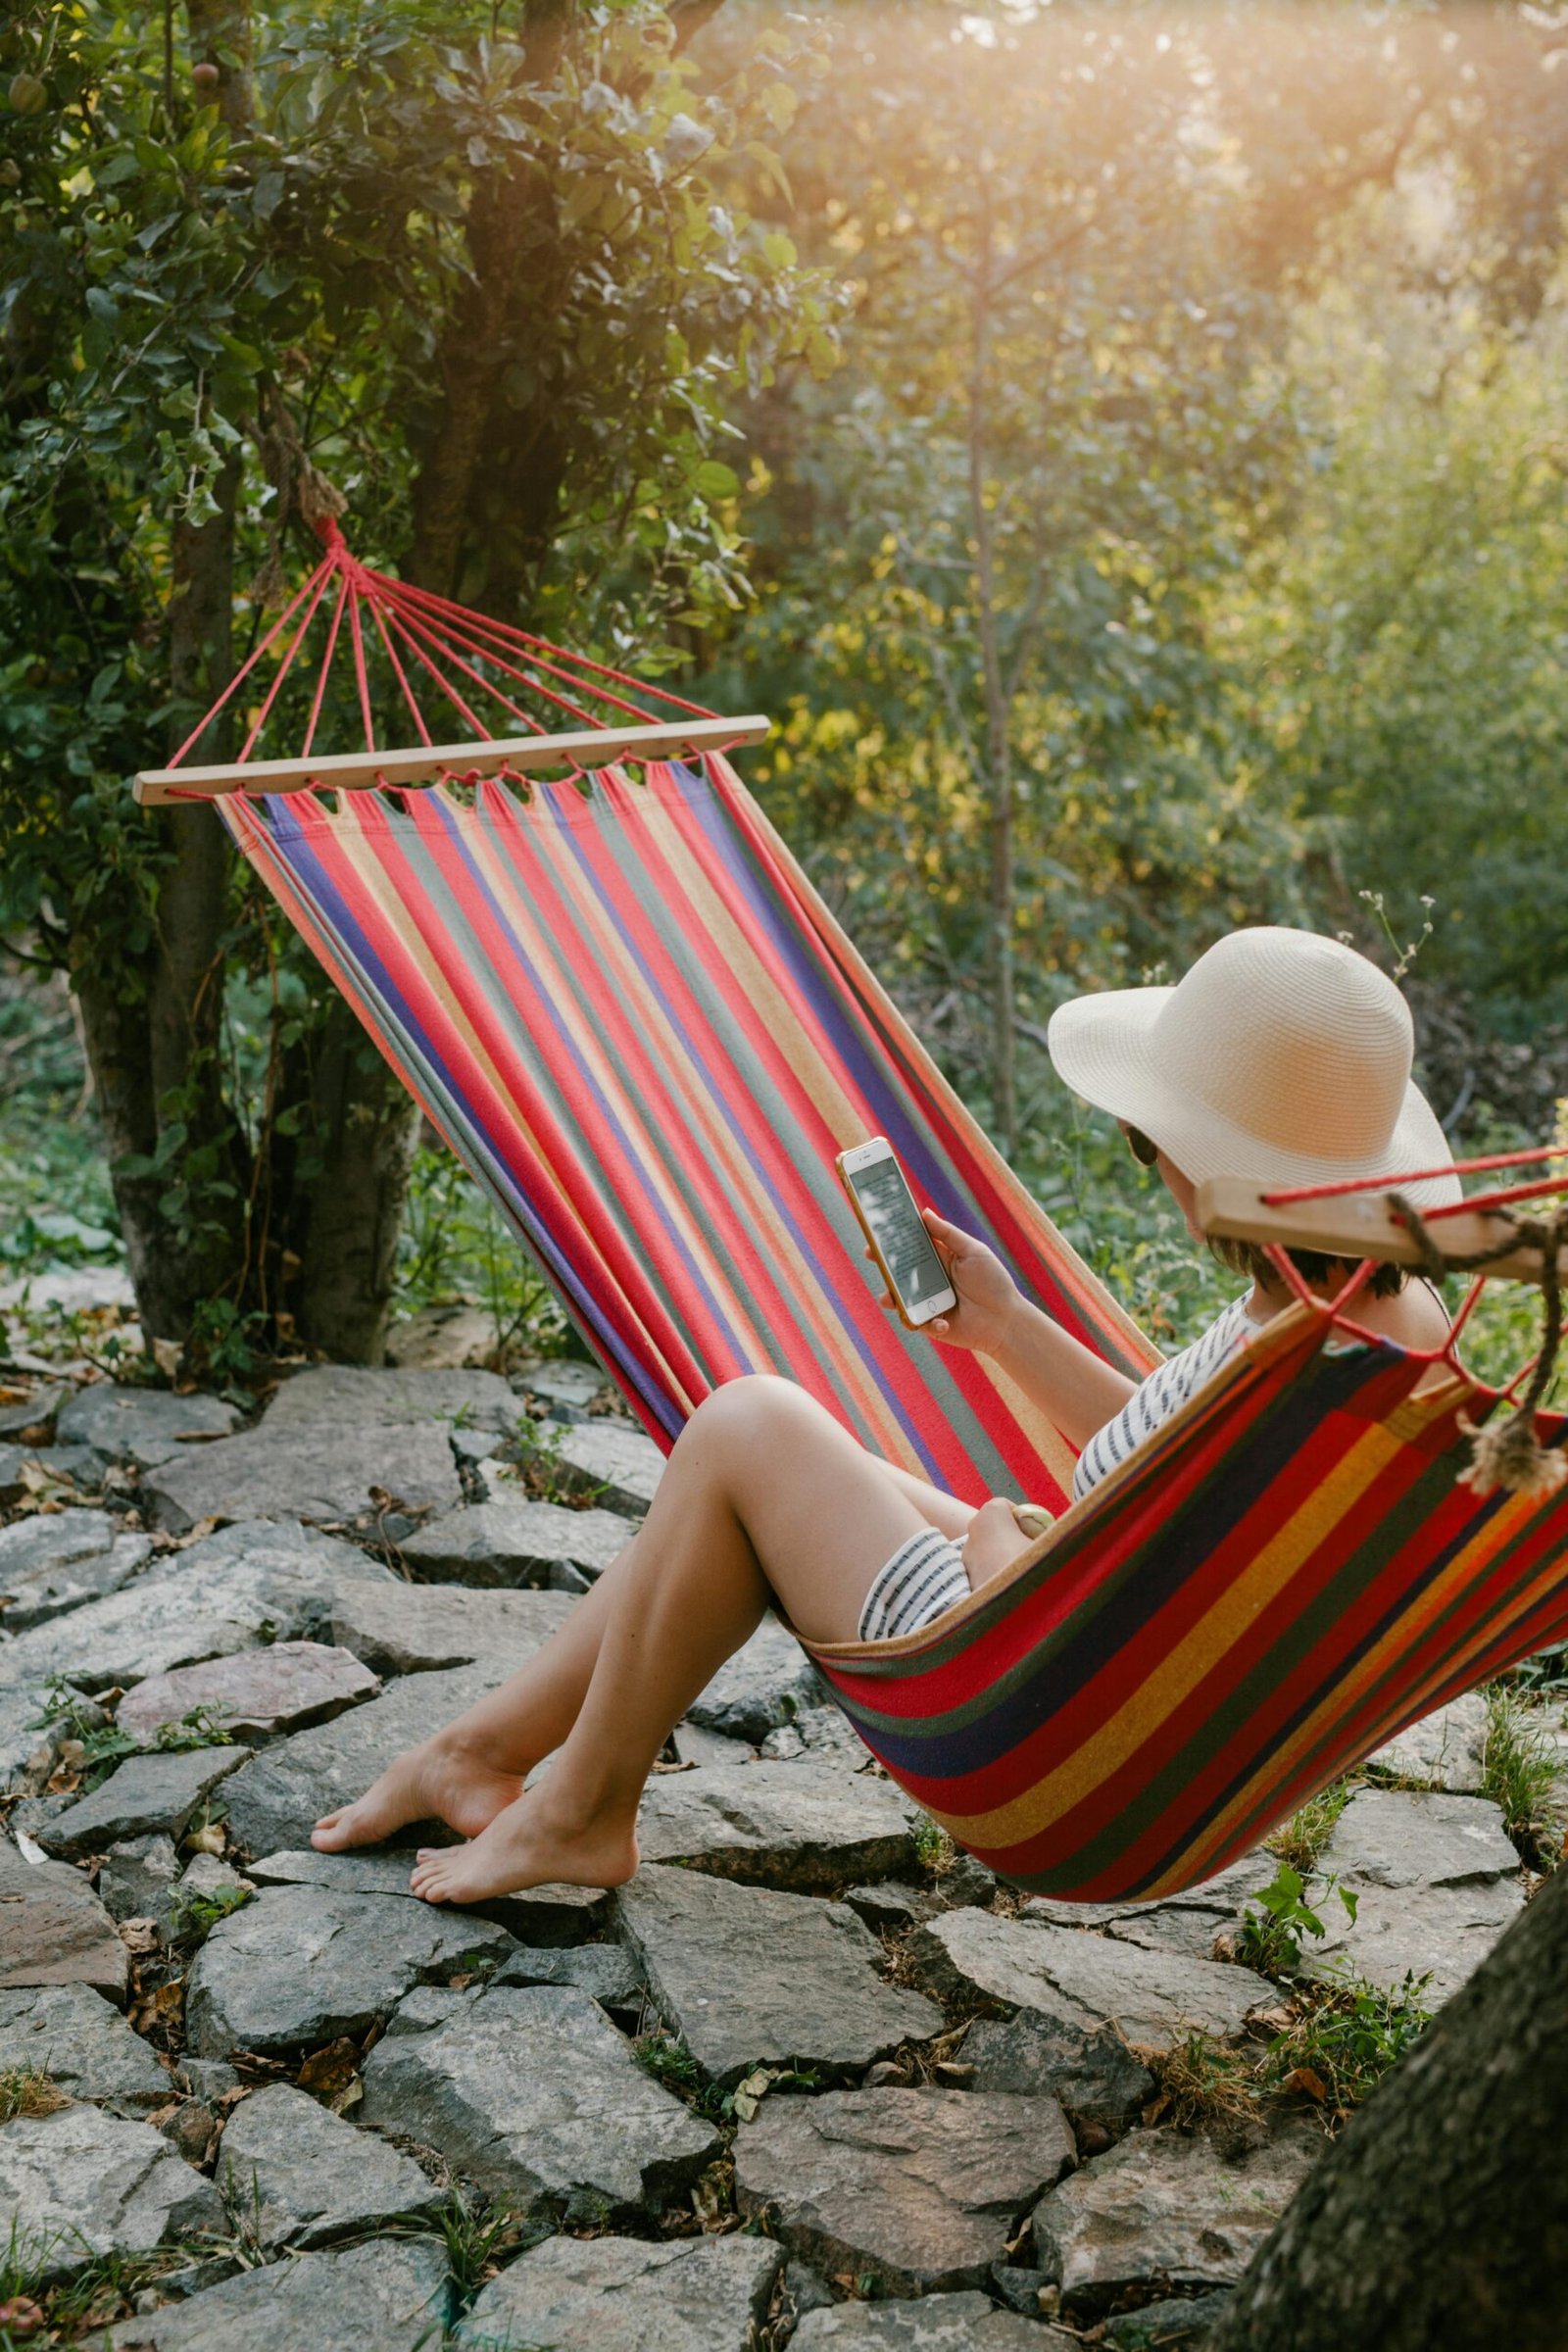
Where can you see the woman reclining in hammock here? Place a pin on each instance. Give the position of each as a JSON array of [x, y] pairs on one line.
[[1281, 1058]]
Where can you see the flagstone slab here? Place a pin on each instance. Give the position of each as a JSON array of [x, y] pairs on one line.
[[530, 2091], [80, 2040], [746, 1975], [608, 1973], [608, 1462], [560, 1917], [1438, 1936], [623, 2294], [1447, 1749], [282, 1791], [81, 2183], [793, 1826], [921, 2189], [57, 1559], [142, 1426], [389, 1398], [301, 1965], [253, 1694], [1409, 1837], [1189, 1922], [518, 1544], [1155, 1998], [769, 1681], [302, 2176], [962, 2323], [1090, 2070], [322, 1471], [144, 1795], [54, 1929], [399, 1629], [253, 1583], [1167, 2206], [30, 1410], [389, 2295]]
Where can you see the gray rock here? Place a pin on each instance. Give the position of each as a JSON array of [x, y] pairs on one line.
[[607, 1972], [56, 1931], [1162, 2207], [559, 1380], [302, 2176], [455, 1338], [390, 2296], [420, 1628], [81, 2183], [1176, 2324], [890, 1908], [744, 1973], [769, 1681], [282, 1791], [72, 2034], [1404, 1837], [793, 1826], [621, 2295], [1155, 1997], [144, 1794], [558, 1916], [208, 2078], [138, 1878], [518, 1543], [530, 2092], [608, 1462], [206, 1875], [301, 1965], [253, 1693], [57, 1559], [921, 2188], [1441, 1934], [966, 2322], [1090, 2070], [1447, 1749], [230, 1592], [62, 1468], [142, 1426], [824, 1736], [33, 1410], [321, 1471], [1187, 1922], [694, 1745], [354, 1396]]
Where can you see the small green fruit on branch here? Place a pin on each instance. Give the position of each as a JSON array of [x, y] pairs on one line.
[[27, 94]]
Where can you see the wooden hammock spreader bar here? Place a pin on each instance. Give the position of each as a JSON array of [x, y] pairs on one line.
[[362, 771], [1359, 1225]]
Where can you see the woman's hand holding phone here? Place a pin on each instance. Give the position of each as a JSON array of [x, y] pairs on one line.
[[988, 1297]]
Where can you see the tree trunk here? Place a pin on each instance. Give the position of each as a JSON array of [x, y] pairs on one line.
[[998, 732], [1441, 2214]]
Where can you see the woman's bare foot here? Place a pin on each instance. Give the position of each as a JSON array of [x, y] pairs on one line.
[[527, 1846], [438, 1781]]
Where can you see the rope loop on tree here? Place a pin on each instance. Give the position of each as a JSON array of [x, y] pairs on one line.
[[1506, 1453]]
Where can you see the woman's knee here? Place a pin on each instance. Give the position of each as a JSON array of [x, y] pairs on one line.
[[758, 1410]]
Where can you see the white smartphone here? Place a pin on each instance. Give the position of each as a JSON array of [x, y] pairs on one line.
[[880, 1195]]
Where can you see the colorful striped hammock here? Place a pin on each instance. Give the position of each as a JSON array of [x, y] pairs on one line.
[[633, 1019]]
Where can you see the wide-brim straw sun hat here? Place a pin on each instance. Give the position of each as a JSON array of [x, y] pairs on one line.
[[1282, 1057]]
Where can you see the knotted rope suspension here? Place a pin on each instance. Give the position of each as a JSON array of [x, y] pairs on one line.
[[1506, 1453]]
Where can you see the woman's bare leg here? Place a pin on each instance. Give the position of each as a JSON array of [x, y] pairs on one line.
[[465, 1773], [762, 1476]]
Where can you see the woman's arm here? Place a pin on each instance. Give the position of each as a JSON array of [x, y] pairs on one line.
[[1068, 1382]]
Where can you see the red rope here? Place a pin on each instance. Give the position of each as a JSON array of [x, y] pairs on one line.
[[1408, 1176]]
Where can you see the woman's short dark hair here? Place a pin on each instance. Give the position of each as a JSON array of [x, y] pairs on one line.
[[1251, 1258]]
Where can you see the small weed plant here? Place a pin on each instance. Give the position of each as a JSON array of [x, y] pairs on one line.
[[97, 1747], [934, 1850], [1519, 1773], [1299, 1840], [1347, 2035], [197, 1915], [1271, 1938], [28, 2090]]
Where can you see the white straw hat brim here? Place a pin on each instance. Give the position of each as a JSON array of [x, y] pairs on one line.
[[1103, 1046]]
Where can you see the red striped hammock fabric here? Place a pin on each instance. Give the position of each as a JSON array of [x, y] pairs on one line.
[[630, 1015]]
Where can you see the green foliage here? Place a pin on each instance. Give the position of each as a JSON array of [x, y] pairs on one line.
[[98, 1746], [1298, 1842], [1519, 1772], [196, 1915], [1344, 2038], [1271, 1938]]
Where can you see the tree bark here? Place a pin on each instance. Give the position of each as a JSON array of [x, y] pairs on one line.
[[998, 732], [1441, 2214]]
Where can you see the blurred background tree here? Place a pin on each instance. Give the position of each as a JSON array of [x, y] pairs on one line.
[[1122, 445]]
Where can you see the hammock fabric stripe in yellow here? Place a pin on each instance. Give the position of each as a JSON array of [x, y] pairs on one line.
[[631, 1016]]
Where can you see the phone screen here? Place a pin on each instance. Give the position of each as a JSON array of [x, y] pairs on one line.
[[918, 1274]]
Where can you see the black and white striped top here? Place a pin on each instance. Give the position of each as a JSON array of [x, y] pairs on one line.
[[1162, 1394]]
